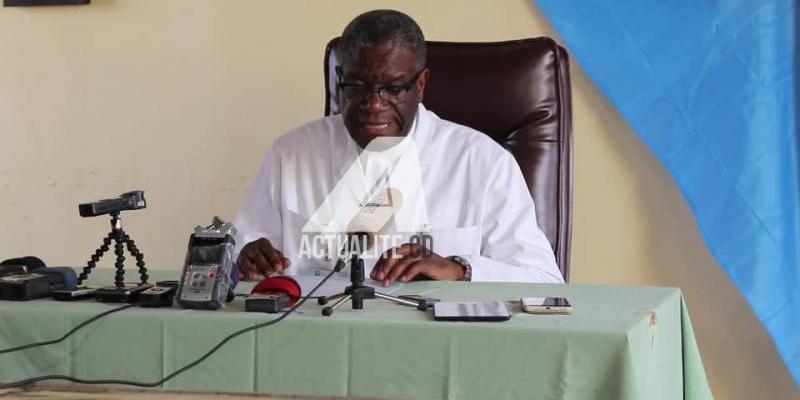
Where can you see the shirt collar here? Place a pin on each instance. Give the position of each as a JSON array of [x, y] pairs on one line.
[[396, 150], [346, 153]]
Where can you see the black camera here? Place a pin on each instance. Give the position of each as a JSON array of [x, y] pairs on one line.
[[127, 201]]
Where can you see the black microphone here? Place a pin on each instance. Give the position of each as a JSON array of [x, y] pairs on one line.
[[359, 242], [356, 243]]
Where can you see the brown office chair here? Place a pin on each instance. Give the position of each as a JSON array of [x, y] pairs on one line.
[[517, 92]]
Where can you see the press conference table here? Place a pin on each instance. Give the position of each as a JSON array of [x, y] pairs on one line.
[[619, 343]]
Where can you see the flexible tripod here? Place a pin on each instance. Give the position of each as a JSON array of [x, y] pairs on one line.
[[357, 292], [121, 240]]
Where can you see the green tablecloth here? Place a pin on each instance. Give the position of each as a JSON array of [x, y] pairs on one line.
[[620, 343]]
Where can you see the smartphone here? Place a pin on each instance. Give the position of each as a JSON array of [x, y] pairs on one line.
[[546, 305], [79, 293], [471, 311]]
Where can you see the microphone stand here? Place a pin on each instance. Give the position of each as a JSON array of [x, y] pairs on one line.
[[357, 292]]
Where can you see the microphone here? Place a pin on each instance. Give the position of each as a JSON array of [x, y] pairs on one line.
[[372, 219], [356, 243], [374, 215]]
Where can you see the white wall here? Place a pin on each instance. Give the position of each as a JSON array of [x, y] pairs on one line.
[[182, 98]]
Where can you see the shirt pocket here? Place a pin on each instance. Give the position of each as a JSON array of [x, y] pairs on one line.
[[462, 241]]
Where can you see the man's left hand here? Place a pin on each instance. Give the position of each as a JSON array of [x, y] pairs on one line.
[[412, 260]]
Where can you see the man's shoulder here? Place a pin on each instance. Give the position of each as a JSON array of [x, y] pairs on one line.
[[309, 135]]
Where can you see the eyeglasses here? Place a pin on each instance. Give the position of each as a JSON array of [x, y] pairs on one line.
[[392, 94]]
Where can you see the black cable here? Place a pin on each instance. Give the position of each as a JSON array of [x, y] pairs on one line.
[[71, 331], [180, 370]]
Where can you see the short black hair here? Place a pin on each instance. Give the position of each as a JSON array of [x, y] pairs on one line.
[[378, 27]]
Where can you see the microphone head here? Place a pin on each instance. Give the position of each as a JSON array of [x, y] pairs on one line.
[[281, 284], [359, 242], [396, 197], [374, 217]]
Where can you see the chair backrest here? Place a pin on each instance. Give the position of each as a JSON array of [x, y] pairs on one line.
[[517, 92]]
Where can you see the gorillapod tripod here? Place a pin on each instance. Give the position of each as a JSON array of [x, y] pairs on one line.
[[121, 240], [357, 292]]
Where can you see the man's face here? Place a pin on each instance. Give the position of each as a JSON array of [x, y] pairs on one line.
[[370, 112]]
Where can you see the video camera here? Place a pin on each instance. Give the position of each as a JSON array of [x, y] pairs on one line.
[[133, 200]]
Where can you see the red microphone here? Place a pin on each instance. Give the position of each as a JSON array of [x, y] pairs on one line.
[[273, 294]]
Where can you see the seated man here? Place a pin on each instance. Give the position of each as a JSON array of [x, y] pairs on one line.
[[456, 185]]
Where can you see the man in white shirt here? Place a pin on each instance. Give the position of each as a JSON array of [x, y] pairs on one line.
[[455, 185]]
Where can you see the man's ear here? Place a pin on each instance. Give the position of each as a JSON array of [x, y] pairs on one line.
[[421, 82]]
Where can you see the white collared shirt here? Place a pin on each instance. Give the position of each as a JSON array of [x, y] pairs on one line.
[[478, 206]]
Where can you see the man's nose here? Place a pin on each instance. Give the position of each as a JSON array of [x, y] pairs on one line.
[[374, 102]]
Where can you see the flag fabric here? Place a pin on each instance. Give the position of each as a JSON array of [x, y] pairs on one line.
[[711, 88]]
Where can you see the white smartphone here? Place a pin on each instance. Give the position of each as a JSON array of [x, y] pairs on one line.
[[546, 305]]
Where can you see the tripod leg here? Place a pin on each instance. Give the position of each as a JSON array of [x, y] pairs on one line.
[[328, 311], [136, 254], [324, 300], [119, 277], [397, 300], [95, 258]]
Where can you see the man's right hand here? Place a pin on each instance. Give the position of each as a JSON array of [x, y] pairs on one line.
[[260, 259]]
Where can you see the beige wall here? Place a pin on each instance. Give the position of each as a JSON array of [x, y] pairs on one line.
[[182, 98]]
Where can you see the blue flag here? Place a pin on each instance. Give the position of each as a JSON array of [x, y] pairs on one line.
[[710, 87]]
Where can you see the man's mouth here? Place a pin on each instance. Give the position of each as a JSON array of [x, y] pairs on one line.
[[380, 128]]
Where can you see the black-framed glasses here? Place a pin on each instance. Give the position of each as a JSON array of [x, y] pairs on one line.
[[389, 93]]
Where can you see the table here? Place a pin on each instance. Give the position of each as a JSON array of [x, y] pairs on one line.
[[620, 343]]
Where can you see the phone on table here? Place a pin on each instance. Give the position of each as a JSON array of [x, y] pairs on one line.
[[471, 311], [79, 293], [546, 305]]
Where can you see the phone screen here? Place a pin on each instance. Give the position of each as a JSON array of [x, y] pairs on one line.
[[556, 302], [546, 301], [471, 311]]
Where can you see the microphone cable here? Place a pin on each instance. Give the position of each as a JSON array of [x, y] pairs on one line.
[[66, 335], [179, 371]]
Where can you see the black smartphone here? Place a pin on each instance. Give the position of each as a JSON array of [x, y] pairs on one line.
[[79, 293], [471, 311]]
